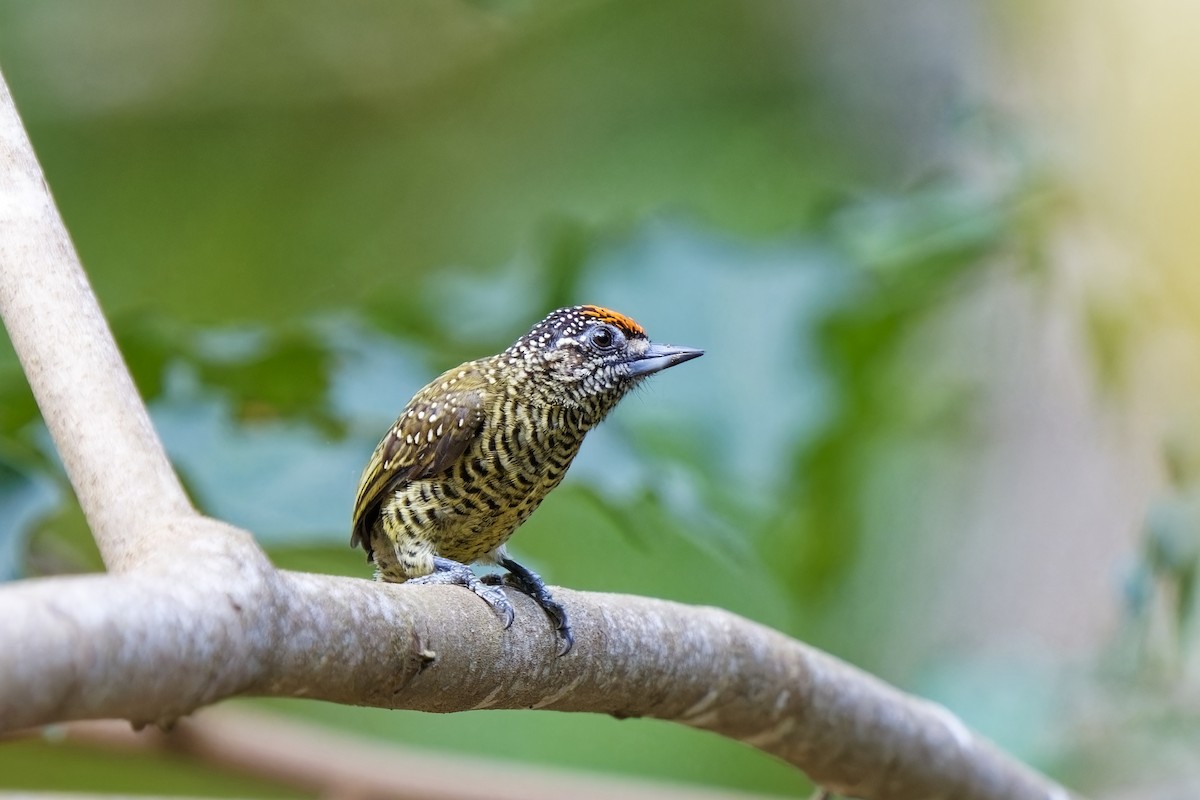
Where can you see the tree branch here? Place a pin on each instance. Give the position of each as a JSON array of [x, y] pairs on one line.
[[109, 448], [192, 611], [325, 762]]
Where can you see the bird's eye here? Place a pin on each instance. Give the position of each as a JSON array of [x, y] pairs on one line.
[[604, 338]]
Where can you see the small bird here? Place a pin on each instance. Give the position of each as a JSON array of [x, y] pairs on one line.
[[478, 449]]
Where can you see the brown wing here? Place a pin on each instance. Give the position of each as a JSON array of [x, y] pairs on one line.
[[431, 433]]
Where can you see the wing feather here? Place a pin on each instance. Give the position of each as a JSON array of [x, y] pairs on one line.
[[432, 432]]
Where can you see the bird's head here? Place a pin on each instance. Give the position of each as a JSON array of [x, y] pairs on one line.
[[589, 356]]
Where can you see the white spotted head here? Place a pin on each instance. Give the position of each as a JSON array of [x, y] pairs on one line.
[[587, 356]]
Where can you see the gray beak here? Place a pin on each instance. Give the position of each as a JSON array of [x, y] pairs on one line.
[[660, 356]]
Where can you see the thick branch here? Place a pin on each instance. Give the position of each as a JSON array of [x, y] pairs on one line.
[[195, 613], [152, 648]]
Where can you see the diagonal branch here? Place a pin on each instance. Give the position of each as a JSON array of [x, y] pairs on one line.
[[192, 612], [87, 397]]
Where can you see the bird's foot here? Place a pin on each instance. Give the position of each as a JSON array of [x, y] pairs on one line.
[[447, 571], [528, 582]]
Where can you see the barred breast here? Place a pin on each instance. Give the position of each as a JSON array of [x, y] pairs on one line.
[[468, 511]]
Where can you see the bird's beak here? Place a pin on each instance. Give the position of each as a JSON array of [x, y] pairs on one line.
[[660, 356]]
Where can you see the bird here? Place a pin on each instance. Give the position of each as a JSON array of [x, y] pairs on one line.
[[475, 452]]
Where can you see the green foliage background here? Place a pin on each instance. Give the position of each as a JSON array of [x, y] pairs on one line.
[[296, 213]]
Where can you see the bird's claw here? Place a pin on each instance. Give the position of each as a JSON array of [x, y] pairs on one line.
[[451, 572], [500, 603], [528, 582], [489, 588]]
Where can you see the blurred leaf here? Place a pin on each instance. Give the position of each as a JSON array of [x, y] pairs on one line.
[[325, 559], [1017, 703], [25, 497], [287, 378], [149, 343], [1109, 330], [62, 542], [918, 253], [17, 407]]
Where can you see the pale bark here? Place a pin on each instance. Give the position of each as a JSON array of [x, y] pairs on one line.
[[192, 612]]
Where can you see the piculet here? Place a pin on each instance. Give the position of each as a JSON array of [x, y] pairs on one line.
[[478, 449]]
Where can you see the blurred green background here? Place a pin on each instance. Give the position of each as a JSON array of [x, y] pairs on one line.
[[916, 440]]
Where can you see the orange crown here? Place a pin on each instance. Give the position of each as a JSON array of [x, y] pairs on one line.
[[611, 317]]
